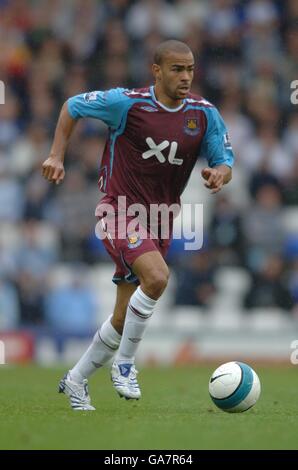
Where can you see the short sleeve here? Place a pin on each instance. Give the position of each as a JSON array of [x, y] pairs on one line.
[[108, 106], [216, 146]]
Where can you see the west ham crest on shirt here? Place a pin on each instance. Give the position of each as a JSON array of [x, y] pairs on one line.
[[191, 126]]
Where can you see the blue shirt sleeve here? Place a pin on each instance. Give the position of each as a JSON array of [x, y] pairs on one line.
[[108, 106], [216, 146]]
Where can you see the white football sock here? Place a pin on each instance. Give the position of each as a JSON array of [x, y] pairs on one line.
[[139, 310], [103, 347]]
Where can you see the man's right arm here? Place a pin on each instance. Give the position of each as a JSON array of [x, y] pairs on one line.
[[53, 166], [107, 106]]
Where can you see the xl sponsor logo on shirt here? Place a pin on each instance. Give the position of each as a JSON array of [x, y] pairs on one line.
[[156, 150]]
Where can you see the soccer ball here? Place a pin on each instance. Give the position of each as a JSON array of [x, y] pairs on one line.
[[234, 387]]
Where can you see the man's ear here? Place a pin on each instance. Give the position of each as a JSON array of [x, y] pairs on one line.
[[156, 70]]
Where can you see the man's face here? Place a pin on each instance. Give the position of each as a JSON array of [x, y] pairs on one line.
[[175, 74]]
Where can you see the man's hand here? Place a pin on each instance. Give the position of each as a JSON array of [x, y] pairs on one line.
[[53, 170], [216, 177]]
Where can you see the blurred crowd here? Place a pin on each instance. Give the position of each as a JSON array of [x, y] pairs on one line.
[[247, 57]]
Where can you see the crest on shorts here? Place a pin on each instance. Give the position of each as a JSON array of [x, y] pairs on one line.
[[134, 240], [191, 126]]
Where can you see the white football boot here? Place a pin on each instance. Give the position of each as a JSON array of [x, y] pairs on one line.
[[78, 393], [124, 378]]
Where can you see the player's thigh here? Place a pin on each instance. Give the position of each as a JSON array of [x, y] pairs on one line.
[[124, 293], [152, 272]]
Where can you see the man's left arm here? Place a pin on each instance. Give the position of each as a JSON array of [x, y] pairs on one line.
[[217, 149]]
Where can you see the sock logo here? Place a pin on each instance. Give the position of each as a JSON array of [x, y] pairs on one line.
[[135, 340]]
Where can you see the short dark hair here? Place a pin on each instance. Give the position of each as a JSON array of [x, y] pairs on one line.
[[169, 46]]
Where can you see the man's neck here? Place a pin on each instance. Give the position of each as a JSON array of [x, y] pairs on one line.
[[165, 99]]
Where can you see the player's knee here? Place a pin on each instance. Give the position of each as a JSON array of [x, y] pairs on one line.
[[155, 283]]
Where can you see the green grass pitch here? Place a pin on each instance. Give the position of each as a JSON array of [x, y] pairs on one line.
[[175, 412]]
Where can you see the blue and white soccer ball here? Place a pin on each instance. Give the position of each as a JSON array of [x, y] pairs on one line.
[[234, 387]]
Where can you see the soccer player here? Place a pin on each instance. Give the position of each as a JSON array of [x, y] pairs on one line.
[[156, 135]]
